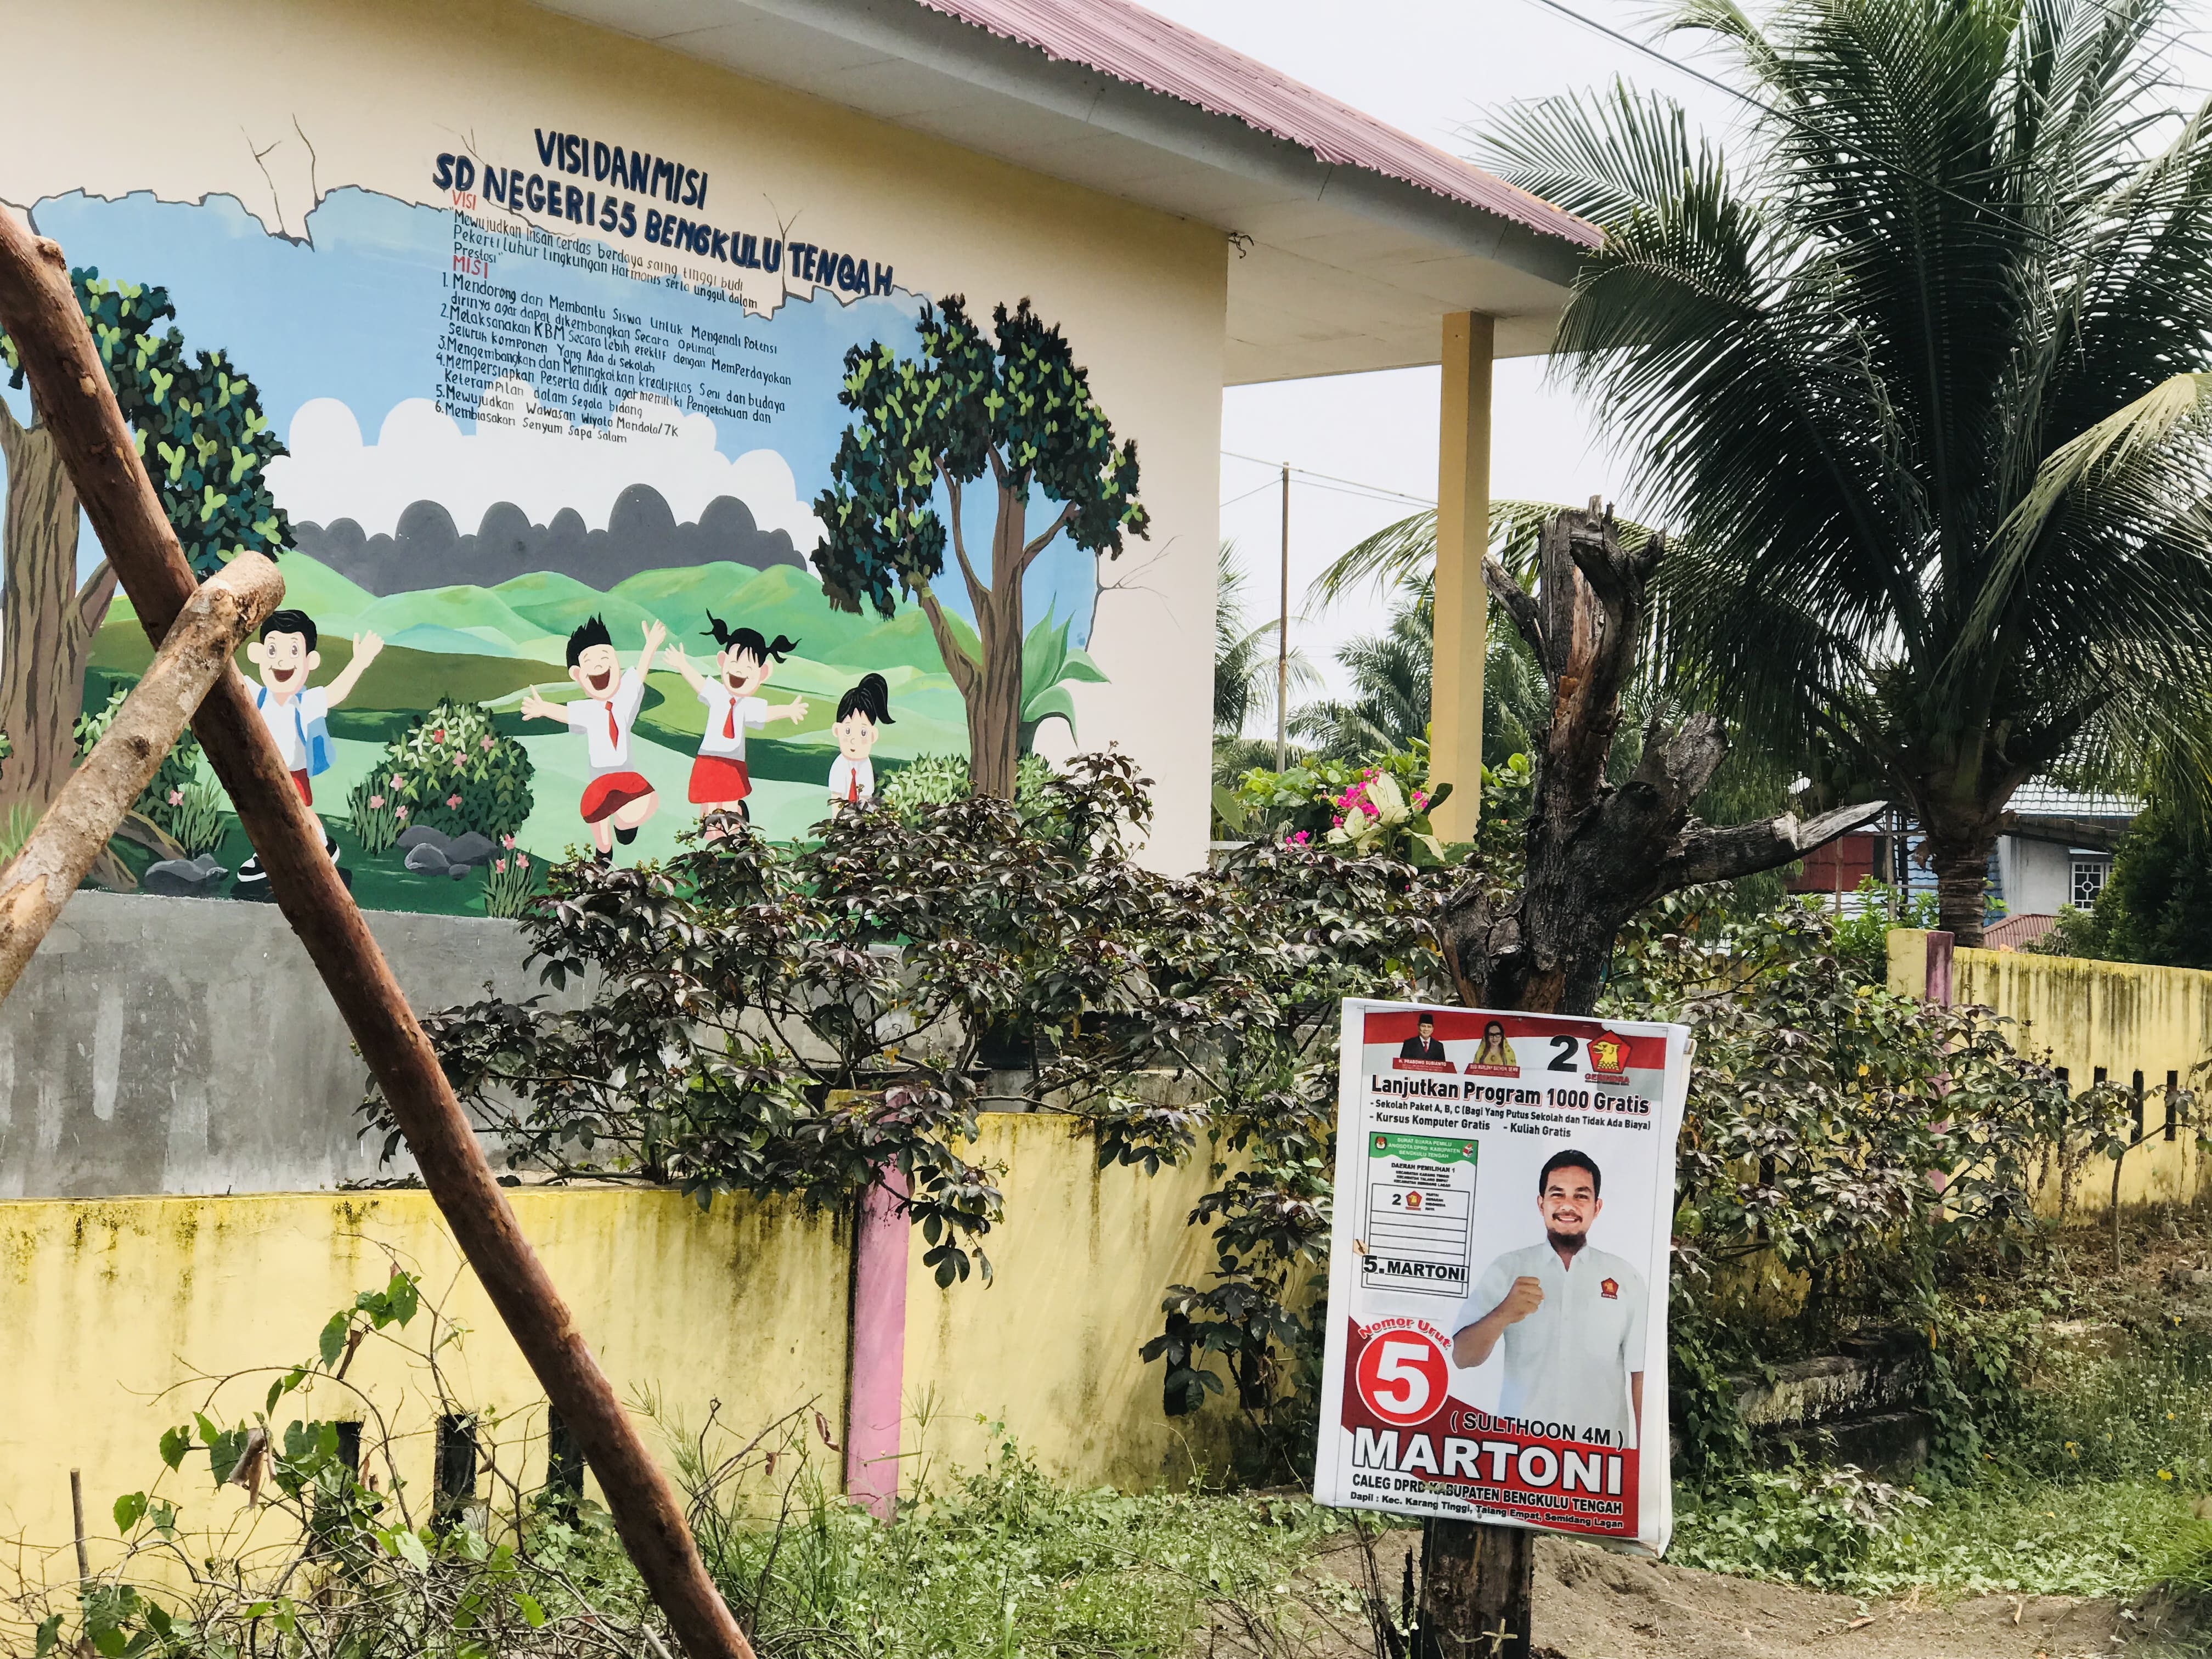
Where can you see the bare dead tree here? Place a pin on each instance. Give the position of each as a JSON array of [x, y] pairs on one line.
[[1598, 853]]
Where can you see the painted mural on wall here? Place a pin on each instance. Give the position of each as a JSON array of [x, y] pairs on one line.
[[599, 510]]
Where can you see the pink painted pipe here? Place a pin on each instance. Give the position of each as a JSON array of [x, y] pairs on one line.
[[877, 1350], [1939, 967]]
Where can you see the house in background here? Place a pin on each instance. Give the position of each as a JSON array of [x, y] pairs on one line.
[[2055, 849]]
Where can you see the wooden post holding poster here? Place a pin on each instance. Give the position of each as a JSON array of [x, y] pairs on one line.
[[1497, 1283]]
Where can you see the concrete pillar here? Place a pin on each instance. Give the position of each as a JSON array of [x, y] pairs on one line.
[[1462, 538], [876, 1384]]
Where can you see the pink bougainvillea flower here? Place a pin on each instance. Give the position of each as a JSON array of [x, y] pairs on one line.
[[1300, 837]]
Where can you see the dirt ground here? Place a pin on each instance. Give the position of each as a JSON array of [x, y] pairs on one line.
[[1594, 1605]]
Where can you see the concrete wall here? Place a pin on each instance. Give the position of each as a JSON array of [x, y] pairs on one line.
[[122, 1313], [2037, 877], [2084, 1015], [163, 1045]]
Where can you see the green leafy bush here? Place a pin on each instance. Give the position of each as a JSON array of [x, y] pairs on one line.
[[1378, 806], [1863, 939], [1812, 1526], [450, 770], [940, 780]]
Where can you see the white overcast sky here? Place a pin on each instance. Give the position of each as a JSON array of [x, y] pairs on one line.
[[1431, 68]]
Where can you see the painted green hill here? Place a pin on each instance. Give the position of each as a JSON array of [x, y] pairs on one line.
[[477, 614], [333, 600]]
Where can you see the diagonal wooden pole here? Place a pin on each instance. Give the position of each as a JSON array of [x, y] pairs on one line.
[[70, 833], [38, 310]]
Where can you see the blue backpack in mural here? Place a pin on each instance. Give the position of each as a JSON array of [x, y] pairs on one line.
[[314, 735]]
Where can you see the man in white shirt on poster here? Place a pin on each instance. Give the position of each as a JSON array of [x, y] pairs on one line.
[[1569, 1316]]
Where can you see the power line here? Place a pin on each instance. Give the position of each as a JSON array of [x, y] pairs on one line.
[[1322, 479]]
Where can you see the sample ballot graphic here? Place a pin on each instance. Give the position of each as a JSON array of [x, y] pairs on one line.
[[1420, 1197]]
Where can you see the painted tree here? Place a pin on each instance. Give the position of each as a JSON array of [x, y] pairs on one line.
[[1013, 409], [206, 444]]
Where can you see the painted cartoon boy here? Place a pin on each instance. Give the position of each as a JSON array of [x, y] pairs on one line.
[[618, 798], [743, 662], [860, 712], [296, 714]]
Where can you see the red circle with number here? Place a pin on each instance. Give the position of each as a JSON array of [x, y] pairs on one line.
[[1402, 1377]]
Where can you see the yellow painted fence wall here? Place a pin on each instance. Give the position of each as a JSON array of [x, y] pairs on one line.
[[2084, 1016], [120, 1312]]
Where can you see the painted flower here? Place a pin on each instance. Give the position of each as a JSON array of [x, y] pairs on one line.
[[499, 867], [522, 860], [402, 810], [376, 803], [176, 798], [438, 736], [452, 800], [507, 841], [399, 782], [487, 746]]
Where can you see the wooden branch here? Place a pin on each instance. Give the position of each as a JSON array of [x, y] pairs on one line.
[[1708, 853], [75, 830], [1520, 605], [39, 309], [11, 432]]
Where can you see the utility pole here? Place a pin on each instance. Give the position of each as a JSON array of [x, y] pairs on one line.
[[1283, 636]]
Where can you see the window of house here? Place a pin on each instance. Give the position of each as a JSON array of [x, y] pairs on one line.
[[2089, 875]]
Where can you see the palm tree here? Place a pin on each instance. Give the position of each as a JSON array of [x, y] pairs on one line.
[[1244, 658], [1390, 678], [1920, 391], [1389, 674]]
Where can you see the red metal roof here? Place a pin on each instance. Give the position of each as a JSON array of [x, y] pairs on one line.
[[2010, 932], [1123, 40]]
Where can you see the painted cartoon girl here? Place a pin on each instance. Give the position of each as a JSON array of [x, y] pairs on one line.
[[1495, 1050], [742, 663], [860, 711]]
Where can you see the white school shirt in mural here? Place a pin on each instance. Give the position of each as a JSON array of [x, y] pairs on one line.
[[288, 721], [1569, 1361], [725, 733], [605, 723], [842, 774]]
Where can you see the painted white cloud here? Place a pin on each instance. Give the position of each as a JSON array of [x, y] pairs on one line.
[[539, 462]]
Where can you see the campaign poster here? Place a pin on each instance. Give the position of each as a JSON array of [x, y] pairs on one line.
[[1497, 1283]]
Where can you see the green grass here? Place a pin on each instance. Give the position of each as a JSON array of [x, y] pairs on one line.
[[1003, 1561]]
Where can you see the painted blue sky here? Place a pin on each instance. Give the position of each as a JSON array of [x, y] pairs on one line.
[[353, 313]]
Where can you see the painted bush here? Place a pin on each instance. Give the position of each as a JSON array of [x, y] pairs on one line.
[[451, 771]]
